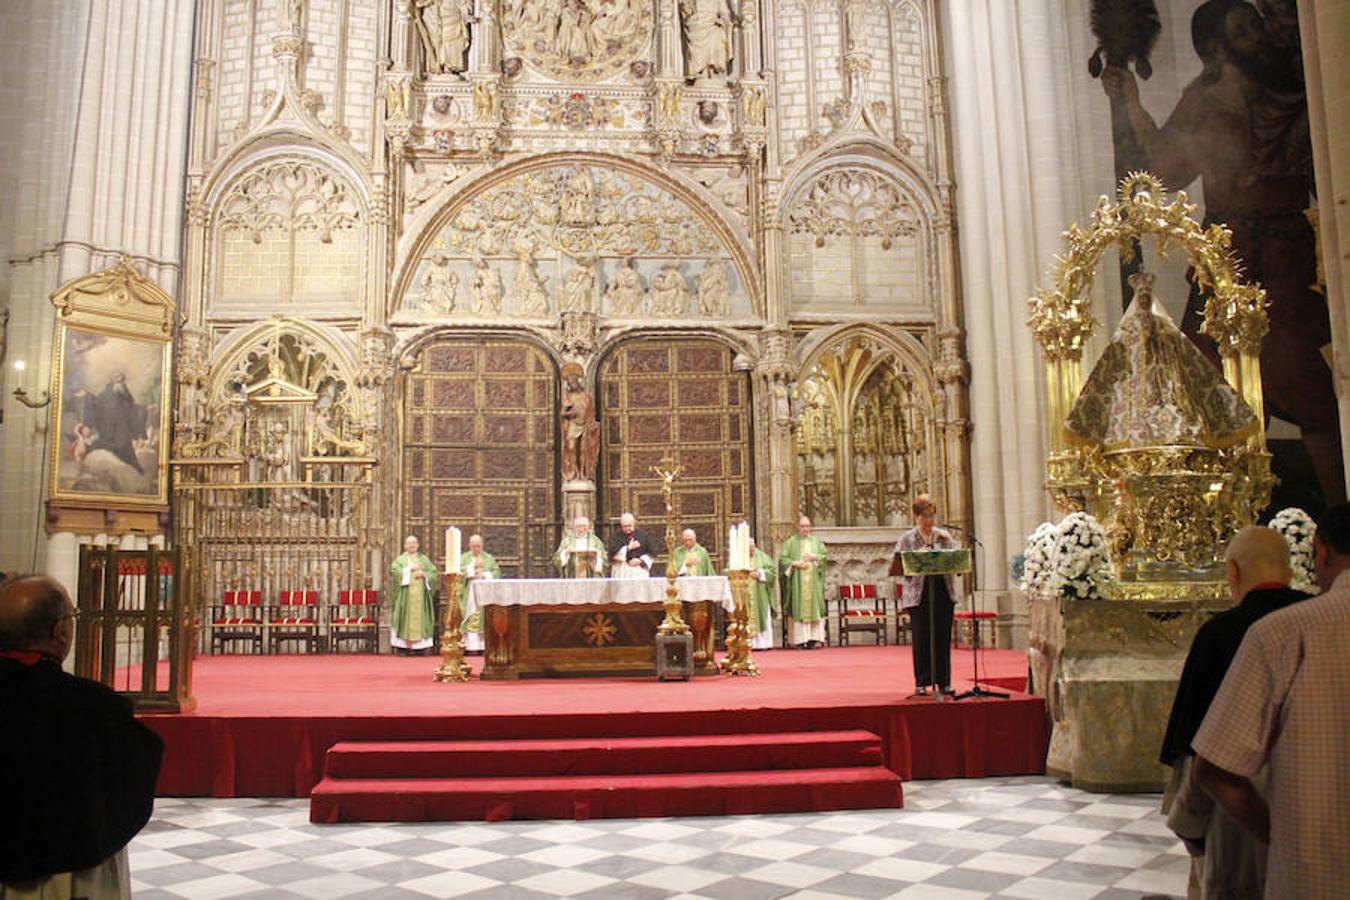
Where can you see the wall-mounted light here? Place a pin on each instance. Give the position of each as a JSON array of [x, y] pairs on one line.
[[22, 395]]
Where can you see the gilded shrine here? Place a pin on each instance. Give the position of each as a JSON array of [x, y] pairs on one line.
[[1168, 455]]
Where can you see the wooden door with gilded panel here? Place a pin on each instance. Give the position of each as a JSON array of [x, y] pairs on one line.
[[677, 395], [480, 450]]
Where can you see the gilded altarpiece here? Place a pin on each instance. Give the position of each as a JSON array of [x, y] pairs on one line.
[[682, 395], [480, 449]]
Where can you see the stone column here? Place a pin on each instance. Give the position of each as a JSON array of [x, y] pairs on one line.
[[485, 53], [1324, 29], [1015, 163], [97, 114]]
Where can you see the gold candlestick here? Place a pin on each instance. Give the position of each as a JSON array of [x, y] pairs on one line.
[[738, 660], [453, 667], [674, 622]]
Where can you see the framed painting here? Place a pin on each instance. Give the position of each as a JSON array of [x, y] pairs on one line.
[[109, 434]]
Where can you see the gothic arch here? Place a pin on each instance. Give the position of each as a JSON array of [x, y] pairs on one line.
[[231, 357], [867, 439]]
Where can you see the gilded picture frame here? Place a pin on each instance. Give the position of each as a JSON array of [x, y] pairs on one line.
[[109, 433]]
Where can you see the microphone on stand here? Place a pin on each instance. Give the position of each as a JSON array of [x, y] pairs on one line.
[[973, 539]]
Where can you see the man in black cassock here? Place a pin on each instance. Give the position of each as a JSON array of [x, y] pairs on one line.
[[631, 552], [1226, 860], [77, 770]]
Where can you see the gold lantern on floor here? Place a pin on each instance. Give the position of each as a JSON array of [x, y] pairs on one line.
[[1167, 455]]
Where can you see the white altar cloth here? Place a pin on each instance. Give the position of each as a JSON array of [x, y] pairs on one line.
[[586, 591]]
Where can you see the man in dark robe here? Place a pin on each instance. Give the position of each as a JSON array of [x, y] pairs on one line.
[[117, 419], [1225, 860], [631, 553], [77, 770]]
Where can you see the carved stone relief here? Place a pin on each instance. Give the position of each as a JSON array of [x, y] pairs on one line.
[[578, 40], [577, 238]]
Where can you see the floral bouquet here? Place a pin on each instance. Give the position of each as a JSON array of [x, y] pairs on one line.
[[1079, 560], [1297, 527], [1036, 557]]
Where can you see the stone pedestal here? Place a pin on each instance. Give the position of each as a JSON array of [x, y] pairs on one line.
[[578, 500], [1108, 670]]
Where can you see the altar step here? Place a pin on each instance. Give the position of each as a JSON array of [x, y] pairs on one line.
[[582, 778]]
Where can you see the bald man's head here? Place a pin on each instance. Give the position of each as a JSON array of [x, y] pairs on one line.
[[36, 614], [1257, 555]]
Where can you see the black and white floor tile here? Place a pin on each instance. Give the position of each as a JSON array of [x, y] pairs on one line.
[[998, 837]]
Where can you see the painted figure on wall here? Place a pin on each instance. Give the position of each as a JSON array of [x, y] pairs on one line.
[[1241, 128]]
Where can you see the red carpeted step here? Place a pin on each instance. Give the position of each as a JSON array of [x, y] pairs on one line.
[[604, 796], [603, 756]]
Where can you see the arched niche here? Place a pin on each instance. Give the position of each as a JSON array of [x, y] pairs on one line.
[[584, 233], [859, 236], [286, 231], [866, 441]]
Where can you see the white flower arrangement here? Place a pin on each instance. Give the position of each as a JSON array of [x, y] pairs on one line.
[[1080, 561], [1298, 528], [1036, 557]]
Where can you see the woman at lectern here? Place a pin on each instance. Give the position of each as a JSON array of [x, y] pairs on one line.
[[930, 601]]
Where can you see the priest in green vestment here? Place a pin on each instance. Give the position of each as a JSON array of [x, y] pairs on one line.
[[581, 538], [412, 621], [476, 564], [764, 603], [690, 557], [801, 566]]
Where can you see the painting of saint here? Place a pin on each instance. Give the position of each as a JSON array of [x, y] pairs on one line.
[[110, 412]]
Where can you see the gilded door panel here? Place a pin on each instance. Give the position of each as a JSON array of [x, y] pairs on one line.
[[479, 450], [676, 395]]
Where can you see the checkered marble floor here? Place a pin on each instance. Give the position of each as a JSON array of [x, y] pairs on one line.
[[996, 837]]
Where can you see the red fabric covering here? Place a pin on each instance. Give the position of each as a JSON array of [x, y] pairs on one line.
[[603, 756], [622, 796], [262, 726]]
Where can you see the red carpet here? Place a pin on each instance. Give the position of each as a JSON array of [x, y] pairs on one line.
[[263, 725]]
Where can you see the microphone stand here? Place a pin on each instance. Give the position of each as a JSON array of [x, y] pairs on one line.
[[976, 690]]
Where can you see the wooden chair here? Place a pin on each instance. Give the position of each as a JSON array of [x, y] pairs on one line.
[[355, 617], [861, 608], [968, 626], [238, 617], [295, 617]]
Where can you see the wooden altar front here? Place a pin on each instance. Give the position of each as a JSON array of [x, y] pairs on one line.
[[563, 628]]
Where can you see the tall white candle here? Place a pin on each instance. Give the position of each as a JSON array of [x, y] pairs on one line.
[[452, 551]]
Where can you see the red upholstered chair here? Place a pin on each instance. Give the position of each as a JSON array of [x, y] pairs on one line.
[[237, 618], [355, 617], [903, 629], [967, 625], [861, 608], [295, 617]]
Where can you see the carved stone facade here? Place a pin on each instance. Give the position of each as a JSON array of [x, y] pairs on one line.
[[572, 176]]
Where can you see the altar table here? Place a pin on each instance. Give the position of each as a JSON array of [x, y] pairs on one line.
[[565, 627]]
